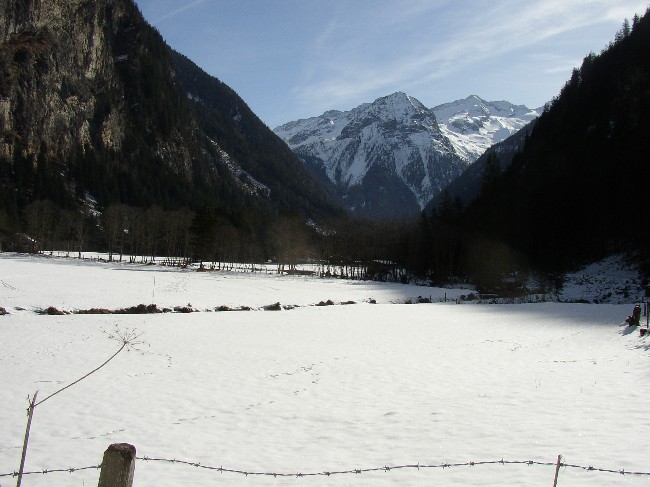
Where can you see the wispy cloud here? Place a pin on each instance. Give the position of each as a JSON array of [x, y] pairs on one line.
[[177, 11], [459, 38], [562, 66]]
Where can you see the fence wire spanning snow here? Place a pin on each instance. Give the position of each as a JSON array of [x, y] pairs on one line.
[[356, 471]]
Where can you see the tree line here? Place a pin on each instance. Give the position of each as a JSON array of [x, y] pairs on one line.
[[209, 235]]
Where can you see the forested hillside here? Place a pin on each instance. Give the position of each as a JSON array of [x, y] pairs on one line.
[[577, 190], [97, 111]]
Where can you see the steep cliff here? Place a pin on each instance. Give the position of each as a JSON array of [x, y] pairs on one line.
[[91, 106]]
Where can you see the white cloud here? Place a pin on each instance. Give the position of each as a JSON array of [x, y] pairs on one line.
[[343, 71]]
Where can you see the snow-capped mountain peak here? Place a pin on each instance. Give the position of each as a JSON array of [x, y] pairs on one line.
[[390, 157], [473, 124], [386, 158], [398, 106]]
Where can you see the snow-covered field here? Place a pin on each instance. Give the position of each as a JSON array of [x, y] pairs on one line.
[[314, 388]]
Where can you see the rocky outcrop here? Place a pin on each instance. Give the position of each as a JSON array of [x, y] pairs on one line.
[[70, 81], [92, 96], [57, 62]]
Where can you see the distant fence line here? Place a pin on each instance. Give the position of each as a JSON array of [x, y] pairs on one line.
[[334, 267], [355, 471]]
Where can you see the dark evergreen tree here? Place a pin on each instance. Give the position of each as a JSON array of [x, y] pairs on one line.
[[203, 232], [491, 173]]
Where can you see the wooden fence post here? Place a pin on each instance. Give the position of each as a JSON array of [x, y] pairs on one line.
[[118, 466]]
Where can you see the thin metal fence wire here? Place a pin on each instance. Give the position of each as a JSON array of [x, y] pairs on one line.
[[385, 468], [52, 470], [388, 468]]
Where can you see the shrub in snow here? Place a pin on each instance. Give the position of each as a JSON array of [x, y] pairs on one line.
[[3, 311], [141, 309], [52, 311], [94, 311], [184, 309], [273, 307]]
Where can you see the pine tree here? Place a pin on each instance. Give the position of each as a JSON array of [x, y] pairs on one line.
[[204, 232], [490, 173]]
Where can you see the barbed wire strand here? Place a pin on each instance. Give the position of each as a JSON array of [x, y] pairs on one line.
[[52, 470], [385, 468]]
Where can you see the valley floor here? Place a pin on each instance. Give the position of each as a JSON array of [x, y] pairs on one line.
[[315, 388]]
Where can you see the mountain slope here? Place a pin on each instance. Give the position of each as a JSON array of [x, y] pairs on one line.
[[94, 104], [576, 191], [467, 186], [473, 124], [384, 159], [258, 155]]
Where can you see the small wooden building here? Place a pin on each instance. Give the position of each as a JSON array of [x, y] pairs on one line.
[[20, 242]]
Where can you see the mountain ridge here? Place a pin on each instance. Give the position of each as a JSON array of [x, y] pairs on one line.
[[378, 156], [473, 124], [397, 144]]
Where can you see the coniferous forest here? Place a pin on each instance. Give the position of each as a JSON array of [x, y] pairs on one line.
[[578, 189]]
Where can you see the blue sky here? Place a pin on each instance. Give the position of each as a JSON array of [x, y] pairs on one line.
[[291, 59]]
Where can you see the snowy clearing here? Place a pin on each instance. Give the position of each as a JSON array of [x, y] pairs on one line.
[[314, 389]]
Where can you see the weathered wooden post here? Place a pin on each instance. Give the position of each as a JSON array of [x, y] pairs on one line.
[[118, 466], [636, 315], [647, 303]]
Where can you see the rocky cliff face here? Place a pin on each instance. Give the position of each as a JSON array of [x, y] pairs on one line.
[[65, 79], [56, 70], [94, 103]]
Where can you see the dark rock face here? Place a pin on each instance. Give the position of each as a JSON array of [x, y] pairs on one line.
[[83, 77], [91, 97], [58, 73]]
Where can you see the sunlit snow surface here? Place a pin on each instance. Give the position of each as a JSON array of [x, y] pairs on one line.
[[473, 125], [314, 389]]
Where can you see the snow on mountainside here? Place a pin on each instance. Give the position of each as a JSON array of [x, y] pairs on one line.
[[473, 124], [384, 159], [391, 157]]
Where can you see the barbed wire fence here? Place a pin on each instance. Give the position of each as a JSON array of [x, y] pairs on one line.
[[355, 471]]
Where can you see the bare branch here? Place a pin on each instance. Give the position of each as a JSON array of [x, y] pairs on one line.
[[127, 338]]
